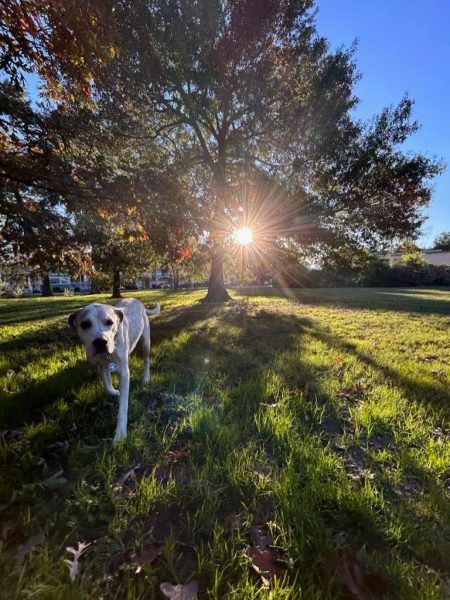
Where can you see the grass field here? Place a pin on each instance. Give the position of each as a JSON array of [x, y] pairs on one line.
[[286, 448]]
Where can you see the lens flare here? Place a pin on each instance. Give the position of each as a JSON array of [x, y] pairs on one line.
[[243, 236]]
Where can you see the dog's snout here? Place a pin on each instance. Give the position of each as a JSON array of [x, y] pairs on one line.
[[99, 344]]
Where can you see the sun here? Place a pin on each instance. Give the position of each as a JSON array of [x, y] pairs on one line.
[[243, 236]]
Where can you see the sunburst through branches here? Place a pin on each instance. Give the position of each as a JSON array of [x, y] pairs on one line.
[[243, 236], [264, 226]]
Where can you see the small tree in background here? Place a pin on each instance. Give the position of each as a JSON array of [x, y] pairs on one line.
[[442, 241], [118, 246], [406, 246]]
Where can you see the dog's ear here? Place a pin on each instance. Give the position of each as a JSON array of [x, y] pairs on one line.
[[73, 320], [119, 313]]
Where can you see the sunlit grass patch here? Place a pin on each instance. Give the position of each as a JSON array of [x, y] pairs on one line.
[[321, 419]]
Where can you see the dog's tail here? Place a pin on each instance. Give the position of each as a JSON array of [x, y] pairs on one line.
[[153, 311]]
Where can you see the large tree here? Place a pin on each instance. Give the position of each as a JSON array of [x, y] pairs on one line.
[[245, 91], [247, 100]]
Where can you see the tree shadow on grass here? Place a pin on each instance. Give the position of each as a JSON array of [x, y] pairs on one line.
[[257, 337], [436, 395], [229, 340], [258, 340], [29, 404], [34, 311], [381, 299], [45, 340], [22, 311]]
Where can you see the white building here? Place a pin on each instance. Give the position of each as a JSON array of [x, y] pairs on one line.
[[433, 257]]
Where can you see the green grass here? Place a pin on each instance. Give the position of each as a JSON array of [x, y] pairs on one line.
[[322, 417]]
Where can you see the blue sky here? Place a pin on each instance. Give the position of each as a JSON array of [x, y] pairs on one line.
[[403, 46]]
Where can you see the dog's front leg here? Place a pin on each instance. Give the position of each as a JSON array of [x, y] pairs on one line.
[[124, 388], [105, 374]]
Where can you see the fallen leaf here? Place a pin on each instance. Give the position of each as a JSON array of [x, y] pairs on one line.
[[180, 592], [51, 483], [171, 471], [62, 445], [54, 481], [74, 564], [146, 556], [263, 562], [131, 473], [12, 434], [353, 393], [8, 533], [350, 573]]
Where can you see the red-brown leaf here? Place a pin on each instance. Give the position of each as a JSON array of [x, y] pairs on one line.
[[350, 573], [263, 563]]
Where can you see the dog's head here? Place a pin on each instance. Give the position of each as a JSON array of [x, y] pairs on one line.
[[97, 326]]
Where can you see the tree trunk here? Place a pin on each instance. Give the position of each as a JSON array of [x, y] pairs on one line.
[[217, 292], [116, 283], [175, 277], [47, 286]]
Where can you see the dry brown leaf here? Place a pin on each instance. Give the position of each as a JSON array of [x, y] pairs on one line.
[[8, 533], [180, 592], [146, 556], [176, 454], [263, 562], [353, 393], [350, 573], [171, 471]]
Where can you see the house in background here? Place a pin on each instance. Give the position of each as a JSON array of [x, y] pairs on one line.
[[17, 281], [433, 257], [61, 282], [157, 279], [148, 280]]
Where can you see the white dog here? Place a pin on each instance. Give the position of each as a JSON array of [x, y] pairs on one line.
[[110, 334]]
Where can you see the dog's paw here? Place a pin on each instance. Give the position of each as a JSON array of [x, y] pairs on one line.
[[120, 435], [146, 379], [114, 392]]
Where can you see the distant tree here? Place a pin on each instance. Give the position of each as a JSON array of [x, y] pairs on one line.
[[118, 245], [35, 190], [37, 235], [442, 241], [407, 246]]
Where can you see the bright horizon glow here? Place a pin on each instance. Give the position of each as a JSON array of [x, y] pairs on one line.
[[243, 236]]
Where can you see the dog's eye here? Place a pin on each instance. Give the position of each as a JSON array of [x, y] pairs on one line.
[[85, 324], [108, 322]]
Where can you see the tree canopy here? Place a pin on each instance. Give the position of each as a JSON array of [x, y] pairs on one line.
[[442, 241], [246, 105]]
